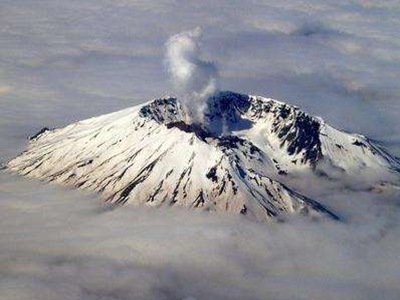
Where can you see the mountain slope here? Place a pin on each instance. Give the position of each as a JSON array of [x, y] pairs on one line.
[[149, 155]]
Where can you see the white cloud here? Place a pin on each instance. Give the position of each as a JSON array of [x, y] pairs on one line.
[[61, 244]]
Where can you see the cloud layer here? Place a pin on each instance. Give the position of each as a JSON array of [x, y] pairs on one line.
[[61, 244]]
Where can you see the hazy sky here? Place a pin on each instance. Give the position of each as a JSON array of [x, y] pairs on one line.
[[61, 61]]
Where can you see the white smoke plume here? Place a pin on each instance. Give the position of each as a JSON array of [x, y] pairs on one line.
[[194, 79]]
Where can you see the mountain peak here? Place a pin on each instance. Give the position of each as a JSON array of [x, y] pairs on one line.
[[228, 112]]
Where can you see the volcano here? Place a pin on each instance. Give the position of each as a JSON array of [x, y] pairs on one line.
[[239, 160]]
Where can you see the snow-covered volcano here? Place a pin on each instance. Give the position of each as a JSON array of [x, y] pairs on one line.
[[236, 161]]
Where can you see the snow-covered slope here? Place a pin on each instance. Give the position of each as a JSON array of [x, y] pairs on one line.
[[149, 155], [294, 140]]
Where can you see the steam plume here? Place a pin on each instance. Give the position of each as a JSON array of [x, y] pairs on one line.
[[194, 79]]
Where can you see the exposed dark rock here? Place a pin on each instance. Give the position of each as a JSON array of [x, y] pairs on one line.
[[212, 174], [200, 132], [39, 133], [359, 144], [162, 110]]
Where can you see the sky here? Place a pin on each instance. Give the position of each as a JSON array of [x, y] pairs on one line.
[[62, 61]]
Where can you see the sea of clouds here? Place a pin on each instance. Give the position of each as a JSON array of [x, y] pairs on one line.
[[62, 244], [61, 61]]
